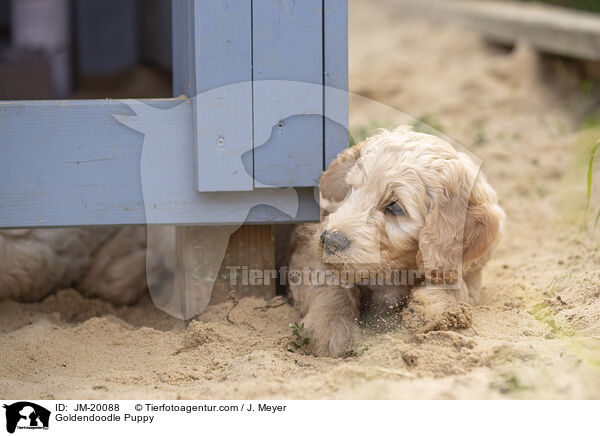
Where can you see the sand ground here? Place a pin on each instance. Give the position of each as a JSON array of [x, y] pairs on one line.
[[537, 335]]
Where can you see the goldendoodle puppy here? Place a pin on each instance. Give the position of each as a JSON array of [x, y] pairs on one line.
[[405, 217]]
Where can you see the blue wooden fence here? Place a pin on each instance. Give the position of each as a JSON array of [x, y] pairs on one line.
[[241, 131]]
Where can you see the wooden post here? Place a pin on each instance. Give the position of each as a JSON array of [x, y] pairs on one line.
[[251, 251], [199, 268]]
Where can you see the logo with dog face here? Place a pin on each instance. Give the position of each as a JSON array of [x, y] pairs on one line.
[[26, 416]]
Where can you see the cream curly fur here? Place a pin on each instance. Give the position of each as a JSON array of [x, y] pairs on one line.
[[451, 220], [108, 263]]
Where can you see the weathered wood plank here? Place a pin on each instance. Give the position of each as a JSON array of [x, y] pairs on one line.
[[68, 164], [251, 247], [288, 46], [199, 251], [71, 163], [335, 31], [551, 29], [223, 114]]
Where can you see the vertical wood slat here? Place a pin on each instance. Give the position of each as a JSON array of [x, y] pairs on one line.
[[335, 32], [292, 42], [223, 106], [189, 268], [288, 47], [183, 48], [213, 63]]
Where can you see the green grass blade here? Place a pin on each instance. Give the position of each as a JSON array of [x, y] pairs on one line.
[[590, 176]]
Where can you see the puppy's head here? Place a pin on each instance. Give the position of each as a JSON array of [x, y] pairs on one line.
[[403, 200]]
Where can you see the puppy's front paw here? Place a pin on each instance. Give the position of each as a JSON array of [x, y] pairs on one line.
[[429, 314], [331, 337]]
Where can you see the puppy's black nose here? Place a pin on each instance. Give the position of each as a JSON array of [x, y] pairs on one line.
[[334, 241]]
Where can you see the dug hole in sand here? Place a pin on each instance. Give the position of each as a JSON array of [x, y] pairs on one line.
[[537, 334]]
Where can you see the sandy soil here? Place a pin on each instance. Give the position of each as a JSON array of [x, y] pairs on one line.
[[536, 336]]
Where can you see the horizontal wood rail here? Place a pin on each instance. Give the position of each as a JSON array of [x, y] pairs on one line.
[[87, 162]]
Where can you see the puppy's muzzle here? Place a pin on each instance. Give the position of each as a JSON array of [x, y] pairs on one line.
[[334, 242]]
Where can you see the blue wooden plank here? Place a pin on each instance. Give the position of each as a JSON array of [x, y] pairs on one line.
[[288, 46], [72, 163], [222, 113], [68, 164], [212, 49], [335, 25]]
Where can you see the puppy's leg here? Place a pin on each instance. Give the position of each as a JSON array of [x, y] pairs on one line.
[[330, 311], [331, 319], [438, 309]]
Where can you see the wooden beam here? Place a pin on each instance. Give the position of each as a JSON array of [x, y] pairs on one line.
[[115, 162], [222, 117], [212, 48], [547, 28]]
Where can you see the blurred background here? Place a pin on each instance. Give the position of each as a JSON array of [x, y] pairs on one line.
[[122, 48], [85, 49], [584, 5]]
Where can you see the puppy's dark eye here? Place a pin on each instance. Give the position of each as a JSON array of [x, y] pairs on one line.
[[394, 209]]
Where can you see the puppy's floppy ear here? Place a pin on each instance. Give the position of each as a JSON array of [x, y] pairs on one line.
[[332, 187], [461, 225]]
